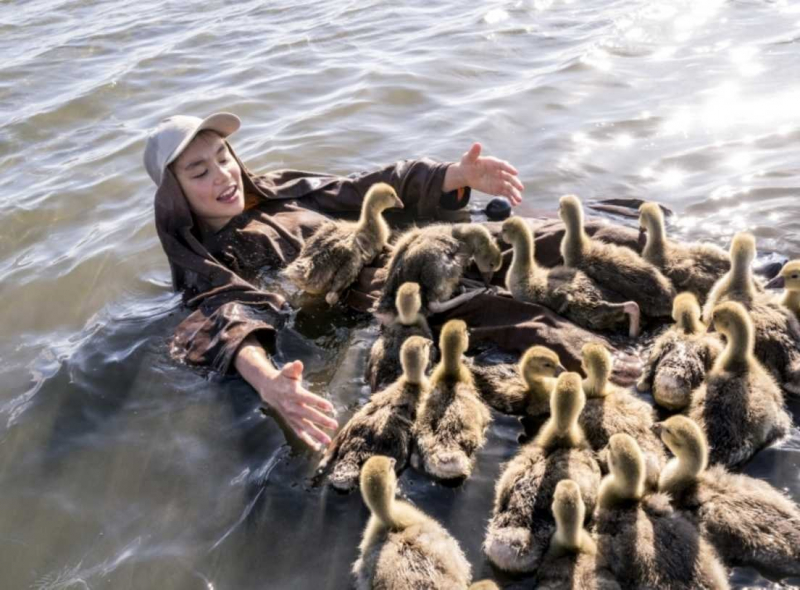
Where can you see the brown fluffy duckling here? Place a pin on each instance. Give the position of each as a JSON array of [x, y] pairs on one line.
[[565, 290], [644, 541], [777, 331], [452, 420], [403, 548], [521, 526], [791, 294], [384, 426], [740, 406], [680, 357], [334, 255], [436, 257], [690, 267], [610, 410], [383, 366], [748, 521], [523, 388], [613, 267], [571, 561]]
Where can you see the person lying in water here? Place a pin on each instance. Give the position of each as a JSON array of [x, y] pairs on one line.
[[220, 225]]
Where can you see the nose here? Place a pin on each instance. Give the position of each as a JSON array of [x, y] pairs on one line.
[[560, 369], [657, 428]]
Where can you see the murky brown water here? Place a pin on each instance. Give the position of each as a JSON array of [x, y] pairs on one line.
[[120, 469]]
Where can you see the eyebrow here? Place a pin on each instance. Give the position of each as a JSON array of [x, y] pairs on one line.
[[203, 160]]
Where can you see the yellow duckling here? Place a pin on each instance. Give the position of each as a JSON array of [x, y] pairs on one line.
[[643, 540], [747, 520], [521, 526], [334, 255], [740, 407], [680, 357], [452, 420], [565, 290], [613, 267], [791, 293], [403, 548]]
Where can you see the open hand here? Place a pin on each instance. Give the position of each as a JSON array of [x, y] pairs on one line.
[[490, 175]]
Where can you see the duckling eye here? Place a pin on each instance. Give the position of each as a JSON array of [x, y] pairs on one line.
[[794, 276]]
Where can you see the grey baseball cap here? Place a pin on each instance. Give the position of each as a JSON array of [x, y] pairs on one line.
[[166, 142]]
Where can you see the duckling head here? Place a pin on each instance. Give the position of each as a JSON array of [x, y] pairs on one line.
[[596, 362], [567, 402], [743, 250], [453, 342], [414, 356], [538, 362], [514, 230], [791, 275], [570, 211], [408, 303], [378, 485], [626, 477], [686, 440], [569, 512], [686, 313], [484, 250], [380, 197], [651, 218], [732, 321]]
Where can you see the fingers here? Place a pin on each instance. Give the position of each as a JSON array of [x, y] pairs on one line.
[[315, 417], [309, 399], [316, 433], [293, 370], [512, 179], [511, 193], [307, 438]]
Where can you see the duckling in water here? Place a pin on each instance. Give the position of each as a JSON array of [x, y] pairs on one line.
[[521, 389], [777, 331], [610, 410], [571, 562], [436, 257], [740, 407], [747, 520], [521, 526], [791, 294], [645, 542], [680, 357], [334, 255], [567, 291], [383, 366], [403, 548], [452, 420], [690, 267], [613, 267], [384, 425]]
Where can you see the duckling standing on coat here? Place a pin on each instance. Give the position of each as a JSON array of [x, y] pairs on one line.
[[777, 331], [747, 520], [680, 357], [436, 257], [567, 291], [613, 267], [383, 366], [740, 407], [452, 420], [571, 562], [646, 543], [791, 293], [334, 255], [384, 425], [521, 389], [610, 410], [690, 267], [403, 548], [521, 526]]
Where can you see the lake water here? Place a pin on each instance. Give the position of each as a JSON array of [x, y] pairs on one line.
[[121, 469]]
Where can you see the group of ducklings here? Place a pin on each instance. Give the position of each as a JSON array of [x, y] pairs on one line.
[[592, 501]]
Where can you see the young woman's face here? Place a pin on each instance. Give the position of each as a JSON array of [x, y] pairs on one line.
[[211, 180]]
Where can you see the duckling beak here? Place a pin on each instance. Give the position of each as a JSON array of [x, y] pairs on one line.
[[711, 327], [487, 277], [642, 236], [657, 428], [398, 203], [777, 282], [560, 369]]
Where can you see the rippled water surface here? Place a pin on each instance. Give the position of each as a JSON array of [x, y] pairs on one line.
[[121, 469]]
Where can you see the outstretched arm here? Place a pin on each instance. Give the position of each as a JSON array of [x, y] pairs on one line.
[[484, 173], [305, 413]]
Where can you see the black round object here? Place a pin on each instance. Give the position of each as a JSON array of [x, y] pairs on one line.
[[498, 209]]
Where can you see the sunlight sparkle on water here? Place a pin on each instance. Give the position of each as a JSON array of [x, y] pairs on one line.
[[672, 178], [623, 140], [495, 16]]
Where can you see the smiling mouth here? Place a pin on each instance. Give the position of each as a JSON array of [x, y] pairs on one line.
[[229, 196]]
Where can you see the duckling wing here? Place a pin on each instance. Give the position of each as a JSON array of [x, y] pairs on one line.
[[501, 387], [383, 366], [777, 340], [696, 268], [331, 246], [575, 571]]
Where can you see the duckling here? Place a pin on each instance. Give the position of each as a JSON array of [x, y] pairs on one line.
[[646, 543], [334, 255], [567, 291], [740, 407], [610, 410], [384, 425], [521, 389], [680, 357], [791, 293], [521, 526], [403, 548], [383, 366], [452, 420], [690, 267], [484, 585], [747, 520], [777, 331], [436, 257], [613, 267], [571, 562]]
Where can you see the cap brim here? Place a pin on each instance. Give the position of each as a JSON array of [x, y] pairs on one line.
[[225, 124]]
